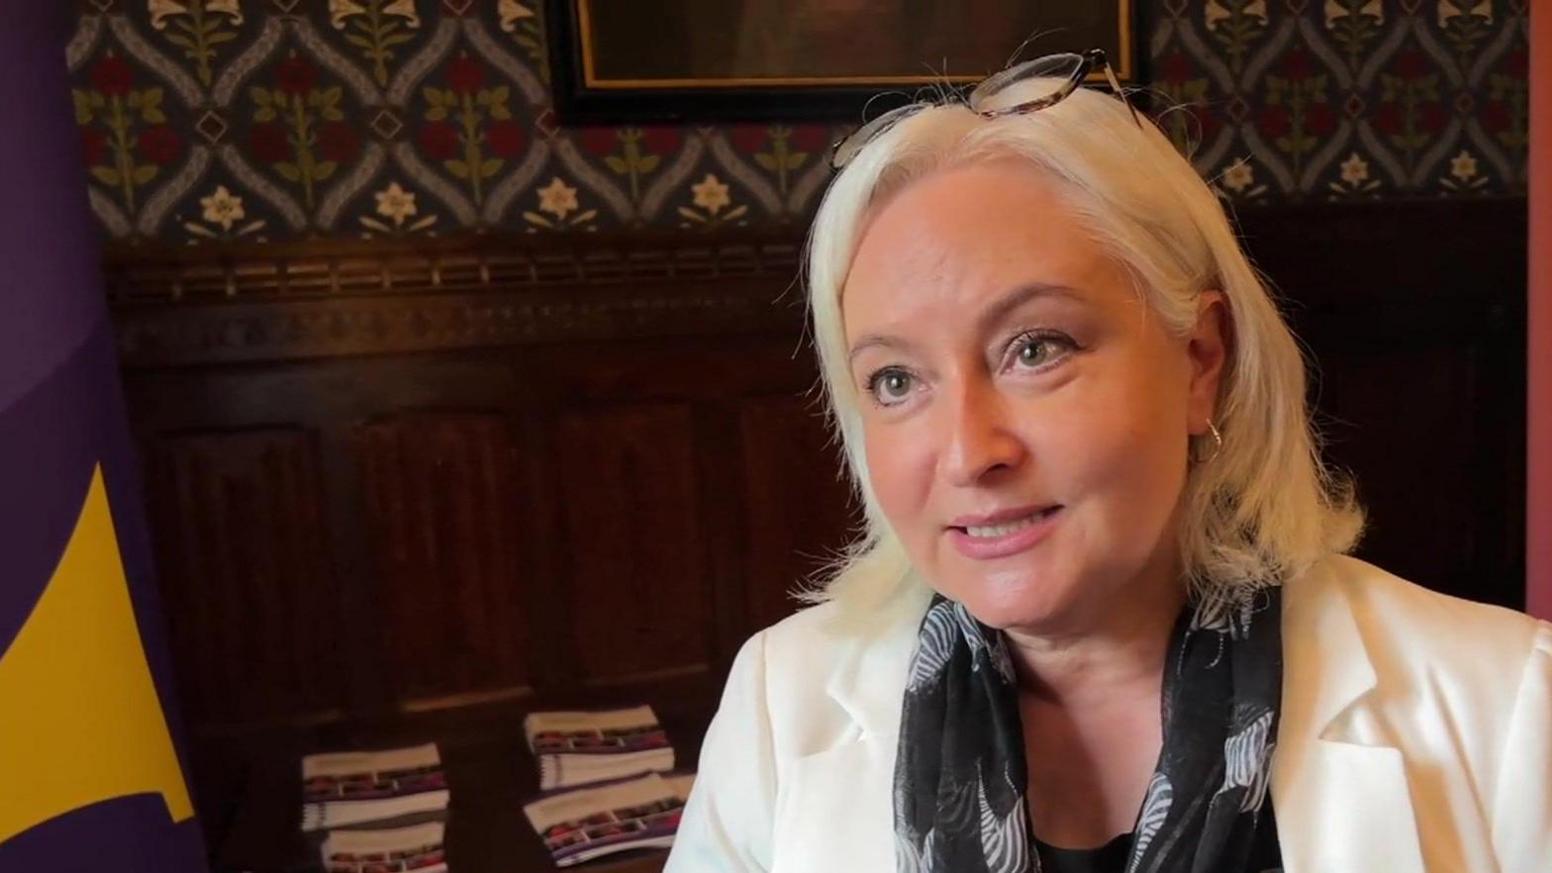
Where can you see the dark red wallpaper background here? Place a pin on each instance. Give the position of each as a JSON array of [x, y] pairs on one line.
[[283, 119]]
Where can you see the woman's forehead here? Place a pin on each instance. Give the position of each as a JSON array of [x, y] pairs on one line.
[[963, 237], [972, 219]]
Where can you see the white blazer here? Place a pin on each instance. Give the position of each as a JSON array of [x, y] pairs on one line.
[[1416, 737]]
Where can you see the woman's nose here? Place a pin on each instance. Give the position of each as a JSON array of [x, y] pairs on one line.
[[980, 436]]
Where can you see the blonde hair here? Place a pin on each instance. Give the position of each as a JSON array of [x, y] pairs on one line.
[[1264, 507]]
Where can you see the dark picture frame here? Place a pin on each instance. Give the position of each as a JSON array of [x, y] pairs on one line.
[[645, 61]]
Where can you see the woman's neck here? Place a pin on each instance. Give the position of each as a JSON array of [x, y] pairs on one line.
[[1090, 658], [1090, 710]]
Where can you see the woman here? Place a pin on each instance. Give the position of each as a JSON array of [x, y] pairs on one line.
[[1102, 619]]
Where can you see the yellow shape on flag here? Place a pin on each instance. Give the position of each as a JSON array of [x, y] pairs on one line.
[[81, 720]]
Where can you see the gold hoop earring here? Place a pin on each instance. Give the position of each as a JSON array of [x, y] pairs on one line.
[[1212, 431]]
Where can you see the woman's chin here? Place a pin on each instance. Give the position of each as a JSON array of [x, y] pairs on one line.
[[1022, 604]]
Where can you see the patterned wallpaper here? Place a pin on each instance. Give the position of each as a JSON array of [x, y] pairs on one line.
[[282, 119]]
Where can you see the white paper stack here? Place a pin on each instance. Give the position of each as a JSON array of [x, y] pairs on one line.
[[579, 748], [416, 848], [349, 788], [585, 823]]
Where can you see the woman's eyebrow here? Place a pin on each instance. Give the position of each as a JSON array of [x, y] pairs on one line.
[[994, 313], [868, 341], [1000, 308]]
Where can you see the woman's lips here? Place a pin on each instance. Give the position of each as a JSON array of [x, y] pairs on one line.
[[1024, 535]]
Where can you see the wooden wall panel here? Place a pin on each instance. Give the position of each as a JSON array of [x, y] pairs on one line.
[[440, 507], [1417, 340], [1421, 401], [632, 542], [243, 554], [798, 505], [1409, 461]]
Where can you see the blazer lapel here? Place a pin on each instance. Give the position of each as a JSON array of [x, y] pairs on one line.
[[836, 812], [869, 681], [1341, 798]]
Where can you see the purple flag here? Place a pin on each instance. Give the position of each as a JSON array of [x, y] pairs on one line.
[[88, 728]]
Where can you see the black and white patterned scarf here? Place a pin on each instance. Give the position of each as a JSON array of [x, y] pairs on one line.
[[960, 776]]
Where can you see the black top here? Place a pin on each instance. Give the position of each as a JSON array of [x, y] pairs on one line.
[[1109, 858], [1265, 854]]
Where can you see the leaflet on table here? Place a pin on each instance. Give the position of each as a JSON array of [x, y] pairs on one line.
[[577, 748], [602, 732], [587, 823], [351, 787], [397, 850]]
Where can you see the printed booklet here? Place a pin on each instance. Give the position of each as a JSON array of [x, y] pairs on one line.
[[586, 823], [578, 748], [346, 788]]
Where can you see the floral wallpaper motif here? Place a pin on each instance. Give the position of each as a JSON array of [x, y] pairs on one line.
[[206, 120], [1349, 98]]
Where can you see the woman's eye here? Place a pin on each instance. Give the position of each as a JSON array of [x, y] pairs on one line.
[[889, 386], [1035, 351]]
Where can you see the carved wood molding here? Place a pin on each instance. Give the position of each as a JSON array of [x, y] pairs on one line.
[[335, 268], [259, 303], [262, 302]]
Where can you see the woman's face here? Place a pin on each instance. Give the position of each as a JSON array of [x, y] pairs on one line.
[[1026, 416]]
